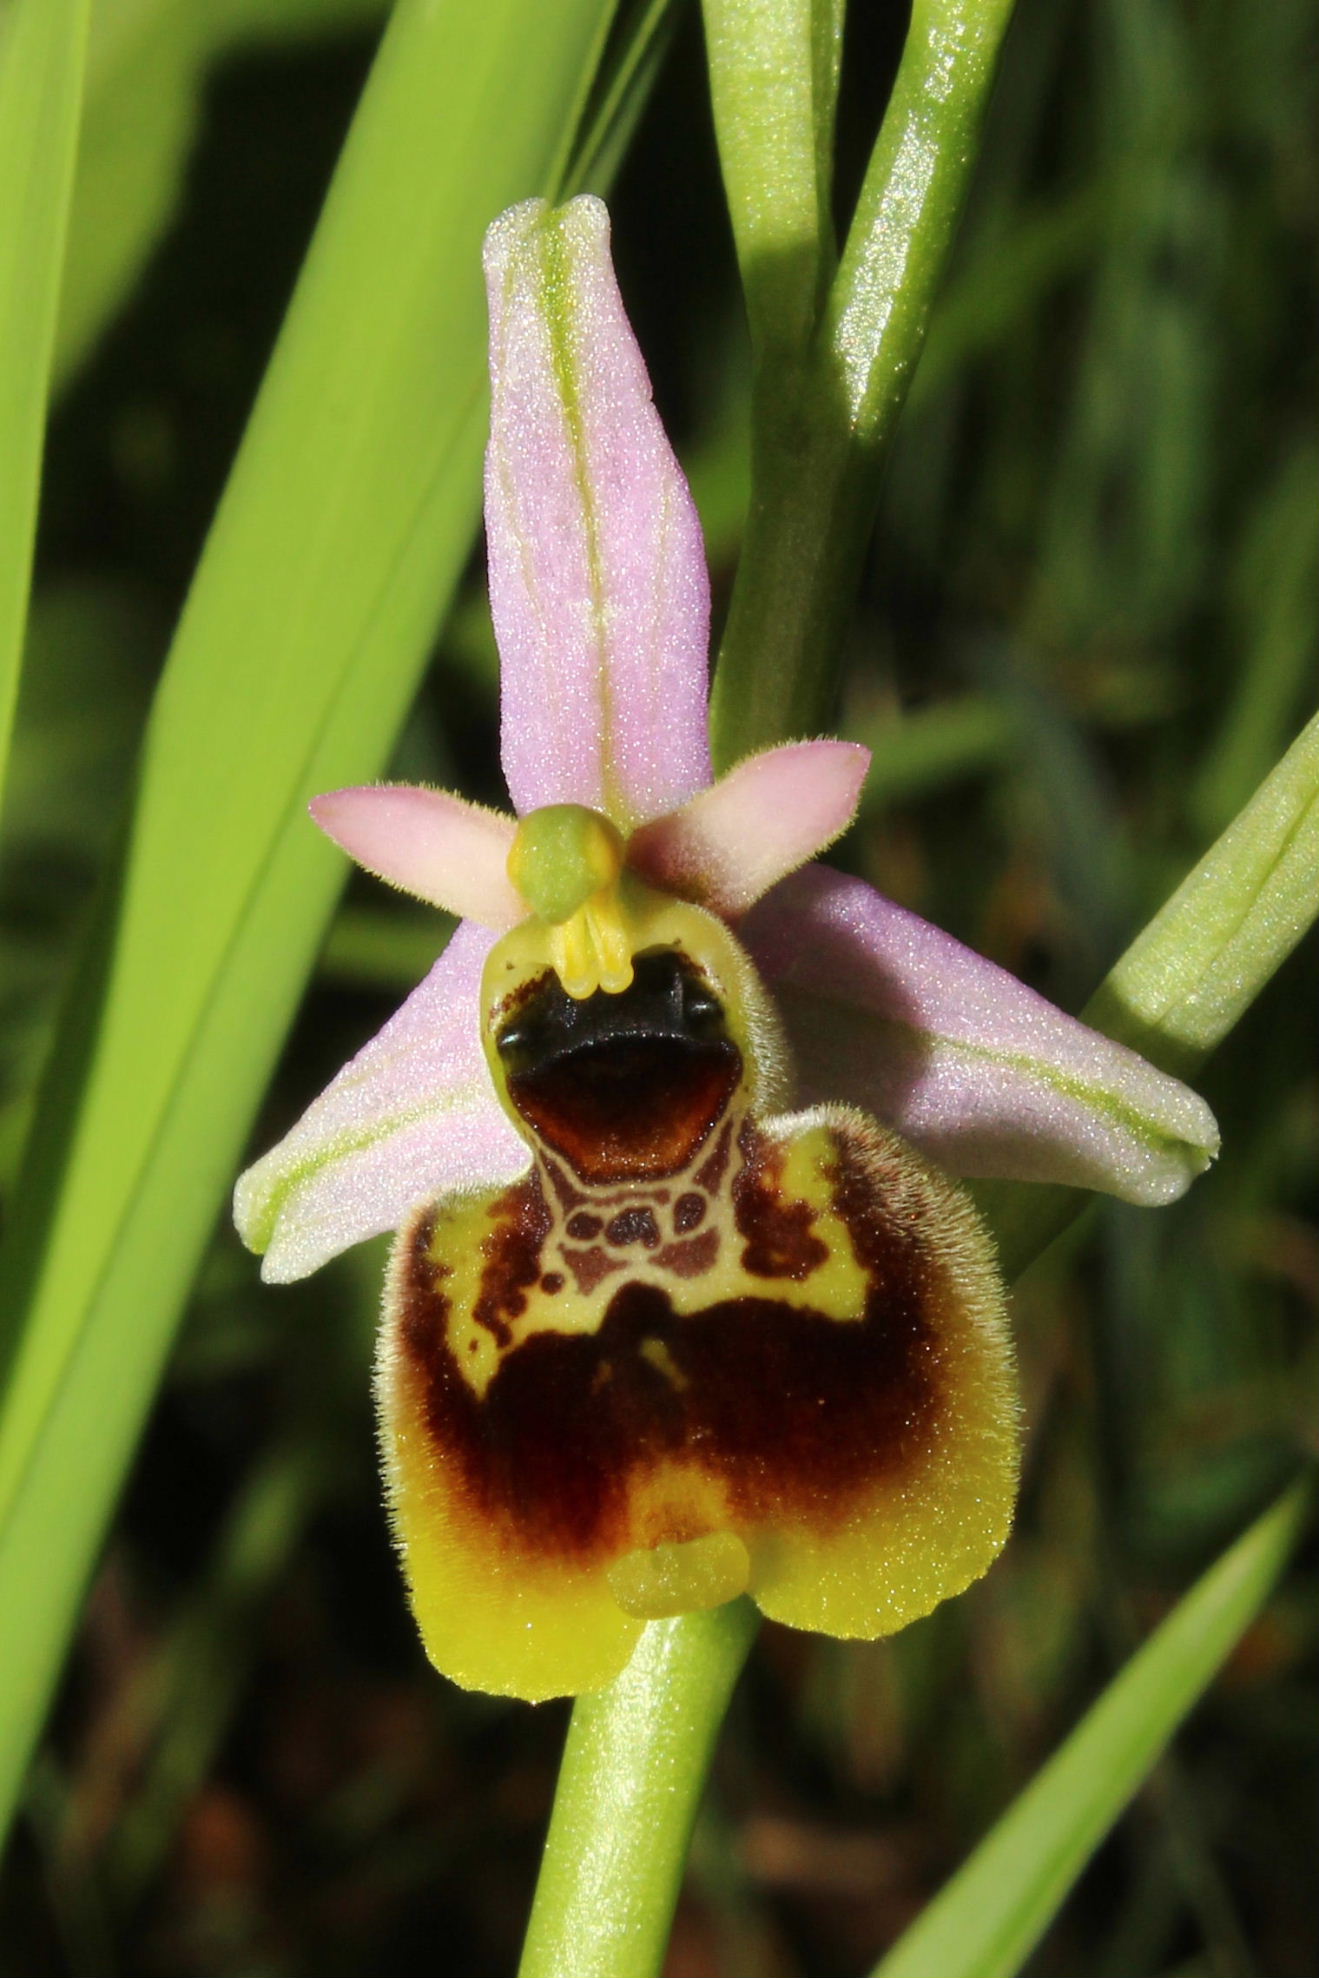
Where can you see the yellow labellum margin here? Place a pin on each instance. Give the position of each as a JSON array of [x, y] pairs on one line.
[[702, 1348], [651, 1338]]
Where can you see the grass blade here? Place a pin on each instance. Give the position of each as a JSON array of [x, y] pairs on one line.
[[147, 66], [993, 1912], [1200, 963], [43, 48], [774, 83], [821, 447], [622, 90], [340, 536]]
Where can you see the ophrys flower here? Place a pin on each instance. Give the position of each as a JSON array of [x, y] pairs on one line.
[[651, 1338]]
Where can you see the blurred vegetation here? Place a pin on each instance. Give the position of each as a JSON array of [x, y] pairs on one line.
[[1086, 634]]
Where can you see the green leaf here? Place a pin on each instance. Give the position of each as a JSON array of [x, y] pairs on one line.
[[821, 443], [43, 47], [624, 84], [340, 536], [1196, 968], [1272, 623], [1200, 963], [143, 103], [985, 1923], [927, 748], [774, 85], [910, 203]]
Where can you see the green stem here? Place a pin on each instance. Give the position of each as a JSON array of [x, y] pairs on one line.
[[820, 439], [633, 1773]]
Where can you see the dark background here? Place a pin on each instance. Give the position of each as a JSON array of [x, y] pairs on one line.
[[1085, 634]]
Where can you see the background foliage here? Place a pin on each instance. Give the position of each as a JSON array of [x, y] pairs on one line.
[[1084, 637]]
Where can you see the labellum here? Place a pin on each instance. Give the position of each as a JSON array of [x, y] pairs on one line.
[[652, 1338], [703, 1347]]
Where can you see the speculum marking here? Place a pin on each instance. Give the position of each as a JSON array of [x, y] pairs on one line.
[[795, 1413]]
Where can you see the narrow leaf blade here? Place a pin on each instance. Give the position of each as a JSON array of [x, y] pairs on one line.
[[1205, 956], [985, 1923], [43, 47], [774, 82], [344, 527]]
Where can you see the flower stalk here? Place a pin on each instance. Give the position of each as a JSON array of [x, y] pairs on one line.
[[633, 1773]]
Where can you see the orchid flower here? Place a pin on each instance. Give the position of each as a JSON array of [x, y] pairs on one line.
[[684, 1301]]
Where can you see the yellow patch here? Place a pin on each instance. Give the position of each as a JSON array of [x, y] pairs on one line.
[[835, 1434], [699, 1349]]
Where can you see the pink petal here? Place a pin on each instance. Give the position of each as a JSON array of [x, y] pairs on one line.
[[412, 1117], [734, 841], [597, 571], [449, 852], [983, 1075]]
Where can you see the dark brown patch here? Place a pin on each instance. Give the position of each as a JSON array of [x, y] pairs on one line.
[[553, 1282], [692, 1256], [711, 1171], [512, 1253], [589, 1267], [688, 1213], [623, 1086], [780, 1236], [584, 1228], [797, 1412], [635, 1225], [632, 1111]]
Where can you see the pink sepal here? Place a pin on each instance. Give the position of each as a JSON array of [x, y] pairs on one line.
[[411, 1118], [978, 1071], [598, 584]]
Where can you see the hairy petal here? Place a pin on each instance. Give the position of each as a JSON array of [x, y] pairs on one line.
[[598, 584], [568, 1458], [770, 814], [445, 850], [978, 1071], [411, 1118]]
